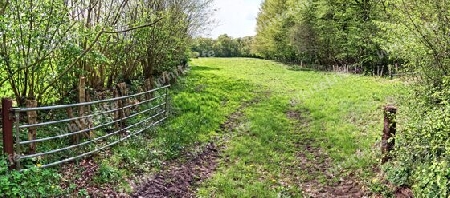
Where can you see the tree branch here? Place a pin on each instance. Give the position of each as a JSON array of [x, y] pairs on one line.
[[99, 34]]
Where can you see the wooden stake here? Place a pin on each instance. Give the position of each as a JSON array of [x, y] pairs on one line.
[[389, 131], [148, 87], [32, 119], [8, 121], [82, 109], [88, 122], [74, 126], [117, 107]]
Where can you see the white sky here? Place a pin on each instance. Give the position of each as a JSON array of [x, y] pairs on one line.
[[237, 18]]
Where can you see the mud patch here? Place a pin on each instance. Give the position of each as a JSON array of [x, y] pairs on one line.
[[404, 192], [179, 178], [79, 177], [313, 161]]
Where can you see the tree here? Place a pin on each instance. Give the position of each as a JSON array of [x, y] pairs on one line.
[[48, 45], [224, 46], [320, 31]]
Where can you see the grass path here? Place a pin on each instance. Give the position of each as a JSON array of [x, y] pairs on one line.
[[304, 120], [269, 132]]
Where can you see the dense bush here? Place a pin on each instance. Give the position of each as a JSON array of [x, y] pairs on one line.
[[33, 182], [417, 32]]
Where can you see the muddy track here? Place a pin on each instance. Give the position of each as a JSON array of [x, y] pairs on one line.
[[81, 176], [317, 164], [181, 177]]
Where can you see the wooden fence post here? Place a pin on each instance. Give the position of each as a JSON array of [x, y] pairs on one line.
[[148, 86], [389, 131], [32, 119], [117, 109], [88, 121], [82, 109], [122, 90], [8, 121]]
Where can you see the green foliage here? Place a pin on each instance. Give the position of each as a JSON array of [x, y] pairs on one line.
[[397, 173], [46, 46], [432, 179], [423, 145], [261, 156], [321, 31], [417, 32], [33, 182], [376, 36], [224, 46], [107, 174]]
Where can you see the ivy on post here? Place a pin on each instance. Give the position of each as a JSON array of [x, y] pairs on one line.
[[389, 131]]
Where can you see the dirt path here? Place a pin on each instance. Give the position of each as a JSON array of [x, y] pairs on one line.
[[182, 176], [318, 166]]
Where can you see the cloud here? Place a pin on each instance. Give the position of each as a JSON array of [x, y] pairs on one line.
[[237, 18]]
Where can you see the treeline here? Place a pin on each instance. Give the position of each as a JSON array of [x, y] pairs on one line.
[[324, 32], [376, 36], [223, 46], [47, 46]]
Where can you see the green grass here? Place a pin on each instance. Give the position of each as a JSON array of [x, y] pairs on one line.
[[343, 114], [339, 113]]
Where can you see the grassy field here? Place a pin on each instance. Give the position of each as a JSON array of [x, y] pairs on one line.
[[279, 133], [336, 117]]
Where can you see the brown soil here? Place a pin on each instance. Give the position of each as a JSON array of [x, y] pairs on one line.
[[180, 177], [81, 177], [316, 163], [404, 192]]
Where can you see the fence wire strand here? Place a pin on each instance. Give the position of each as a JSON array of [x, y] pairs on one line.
[[88, 116], [160, 114], [104, 147], [20, 110], [89, 129]]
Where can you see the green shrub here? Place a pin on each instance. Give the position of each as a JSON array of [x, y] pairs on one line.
[[194, 55], [432, 179], [397, 173], [108, 174], [33, 182], [423, 146]]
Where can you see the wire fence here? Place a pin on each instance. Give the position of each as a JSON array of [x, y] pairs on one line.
[[58, 136]]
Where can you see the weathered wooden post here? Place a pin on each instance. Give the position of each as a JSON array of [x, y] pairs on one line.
[[32, 119], [122, 90], [8, 121], [148, 86], [167, 78], [180, 69], [89, 121], [389, 131], [116, 109], [82, 110]]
